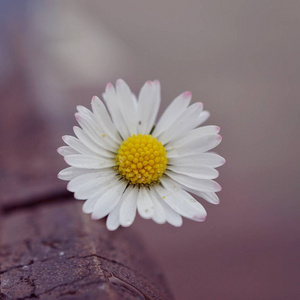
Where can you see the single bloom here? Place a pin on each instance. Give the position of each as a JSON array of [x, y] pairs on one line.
[[122, 162]]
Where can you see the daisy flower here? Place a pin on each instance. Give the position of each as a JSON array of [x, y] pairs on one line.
[[122, 162]]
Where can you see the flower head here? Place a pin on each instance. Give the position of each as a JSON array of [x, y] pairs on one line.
[[121, 162]]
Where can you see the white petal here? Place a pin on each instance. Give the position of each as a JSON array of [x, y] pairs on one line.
[[113, 219], [191, 145], [127, 105], [203, 117], [181, 201], [78, 145], [196, 133], [88, 142], [195, 171], [159, 215], [89, 162], [75, 183], [108, 201], [208, 196], [204, 185], [145, 204], [128, 207], [148, 106], [172, 112], [71, 173], [66, 150], [135, 101], [204, 130], [102, 117], [172, 216], [90, 203], [86, 190], [95, 132], [205, 159], [144, 107], [101, 121], [186, 122], [84, 110], [111, 100]]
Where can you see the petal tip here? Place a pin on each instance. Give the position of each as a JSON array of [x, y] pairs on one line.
[[218, 188], [119, 81], [77, 116], [94, 98], [199, 218], [109, 86], [93, 217], [187, 95], [126, 223], [111, 228]]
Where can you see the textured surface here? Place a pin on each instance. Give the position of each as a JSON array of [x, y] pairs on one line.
[[53, 251]]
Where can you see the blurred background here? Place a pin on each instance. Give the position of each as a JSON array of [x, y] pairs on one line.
[[241, 58]]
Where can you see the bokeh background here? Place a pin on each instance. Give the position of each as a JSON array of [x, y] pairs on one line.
[[241, 59]]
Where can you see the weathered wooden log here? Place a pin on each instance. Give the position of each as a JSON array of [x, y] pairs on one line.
[[53, 251], [49, 249]]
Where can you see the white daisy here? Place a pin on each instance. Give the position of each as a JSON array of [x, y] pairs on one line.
[[120, 162]]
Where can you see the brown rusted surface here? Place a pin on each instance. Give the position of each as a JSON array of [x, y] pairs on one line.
[[49, 249]]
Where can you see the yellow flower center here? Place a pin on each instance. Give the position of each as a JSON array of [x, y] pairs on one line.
[[142, 159]]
